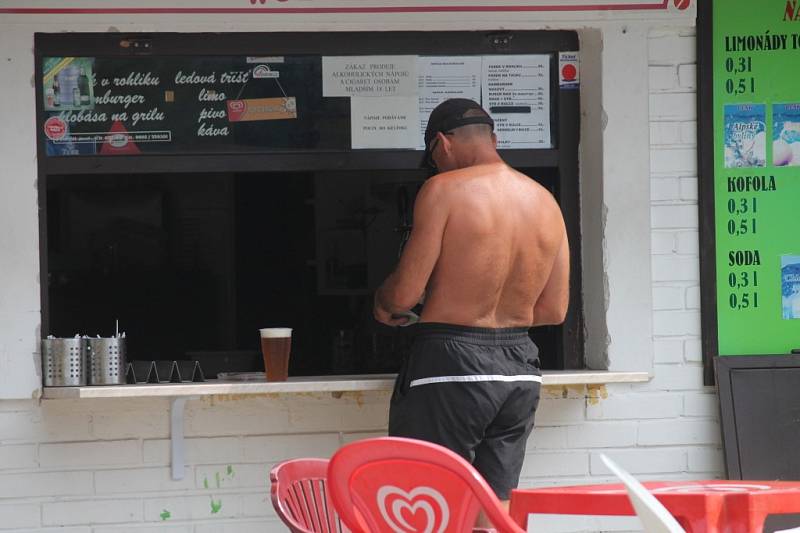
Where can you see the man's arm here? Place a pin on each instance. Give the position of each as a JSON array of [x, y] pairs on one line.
[[551, 307], [405, 286]]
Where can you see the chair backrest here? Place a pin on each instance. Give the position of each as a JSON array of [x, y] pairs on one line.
[[301, 498], [654, 516], [397, 485]]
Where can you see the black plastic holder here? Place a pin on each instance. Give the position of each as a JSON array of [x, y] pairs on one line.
[[164, 372]]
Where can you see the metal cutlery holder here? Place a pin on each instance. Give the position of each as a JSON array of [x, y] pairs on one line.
[[107, 360], [64, 361]]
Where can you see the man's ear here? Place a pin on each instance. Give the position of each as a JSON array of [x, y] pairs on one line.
[[494, 139], [444, 142]]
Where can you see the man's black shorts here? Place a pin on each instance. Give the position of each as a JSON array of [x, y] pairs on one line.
[[473, 390]]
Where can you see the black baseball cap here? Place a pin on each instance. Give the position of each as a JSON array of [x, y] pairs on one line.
[[449, 115]]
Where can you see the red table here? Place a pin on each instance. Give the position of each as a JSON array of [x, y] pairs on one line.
[[700, 506]]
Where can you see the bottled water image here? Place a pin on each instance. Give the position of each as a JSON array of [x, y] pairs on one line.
[[786, 135], [745, 135], [790, 286]]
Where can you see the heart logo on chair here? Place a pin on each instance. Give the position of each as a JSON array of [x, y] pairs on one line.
[[395, 504]]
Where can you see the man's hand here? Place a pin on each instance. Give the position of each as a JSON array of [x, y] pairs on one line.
[[384, 316]]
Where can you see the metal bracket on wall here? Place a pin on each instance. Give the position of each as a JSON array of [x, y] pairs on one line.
[[177, 406]]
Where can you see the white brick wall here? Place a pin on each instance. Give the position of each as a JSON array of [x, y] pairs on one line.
[[43, 483], [668, 350], [672, 47], [674, 214], [694, 426], [643, 461], [100, 453], [20, 516], [99, 479], [636, 406], [92, 511]]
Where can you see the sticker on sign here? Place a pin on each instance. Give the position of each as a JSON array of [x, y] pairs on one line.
[[263, 71], [262, 109], [568, 72], [681, 4], [55, 128]]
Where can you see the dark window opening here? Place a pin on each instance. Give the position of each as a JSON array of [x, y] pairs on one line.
[[192, 265]]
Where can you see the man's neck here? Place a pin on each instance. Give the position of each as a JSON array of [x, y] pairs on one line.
[[480, 156]]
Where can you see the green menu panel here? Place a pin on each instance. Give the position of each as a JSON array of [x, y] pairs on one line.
[[756, 73]]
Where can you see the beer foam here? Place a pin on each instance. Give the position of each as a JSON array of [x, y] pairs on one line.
[[273, 333]]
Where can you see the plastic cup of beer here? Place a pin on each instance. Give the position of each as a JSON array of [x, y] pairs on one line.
[[276, 343]]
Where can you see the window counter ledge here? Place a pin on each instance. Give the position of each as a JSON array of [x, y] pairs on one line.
[[333, 384]]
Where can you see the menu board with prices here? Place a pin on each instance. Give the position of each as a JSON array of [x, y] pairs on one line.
[[756, 53], [238, 104]]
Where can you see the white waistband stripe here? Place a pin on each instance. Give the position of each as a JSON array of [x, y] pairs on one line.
[[471, 379]]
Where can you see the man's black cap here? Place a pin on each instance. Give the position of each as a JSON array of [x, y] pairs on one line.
[[449, 115]]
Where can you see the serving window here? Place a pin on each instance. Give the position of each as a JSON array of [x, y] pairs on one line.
[[199, 187]]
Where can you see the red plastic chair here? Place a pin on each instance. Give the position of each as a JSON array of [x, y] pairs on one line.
[[397, 485], [301, 498]]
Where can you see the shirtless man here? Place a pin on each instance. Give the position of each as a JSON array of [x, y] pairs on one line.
[[489, 252]]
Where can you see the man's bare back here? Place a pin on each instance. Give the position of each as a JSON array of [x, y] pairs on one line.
[[488, 249], [499, 248]]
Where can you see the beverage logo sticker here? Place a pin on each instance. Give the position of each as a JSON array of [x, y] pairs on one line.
[[55, 128], [263, 71], [568, 71], [118, 140], [262, 109]]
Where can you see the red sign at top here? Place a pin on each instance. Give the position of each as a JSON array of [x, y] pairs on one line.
[[78, 7]]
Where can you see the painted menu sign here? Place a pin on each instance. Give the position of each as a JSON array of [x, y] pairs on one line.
[[111, 106], [757, 175]]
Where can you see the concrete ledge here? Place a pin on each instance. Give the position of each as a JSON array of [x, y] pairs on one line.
[[334, 384]]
